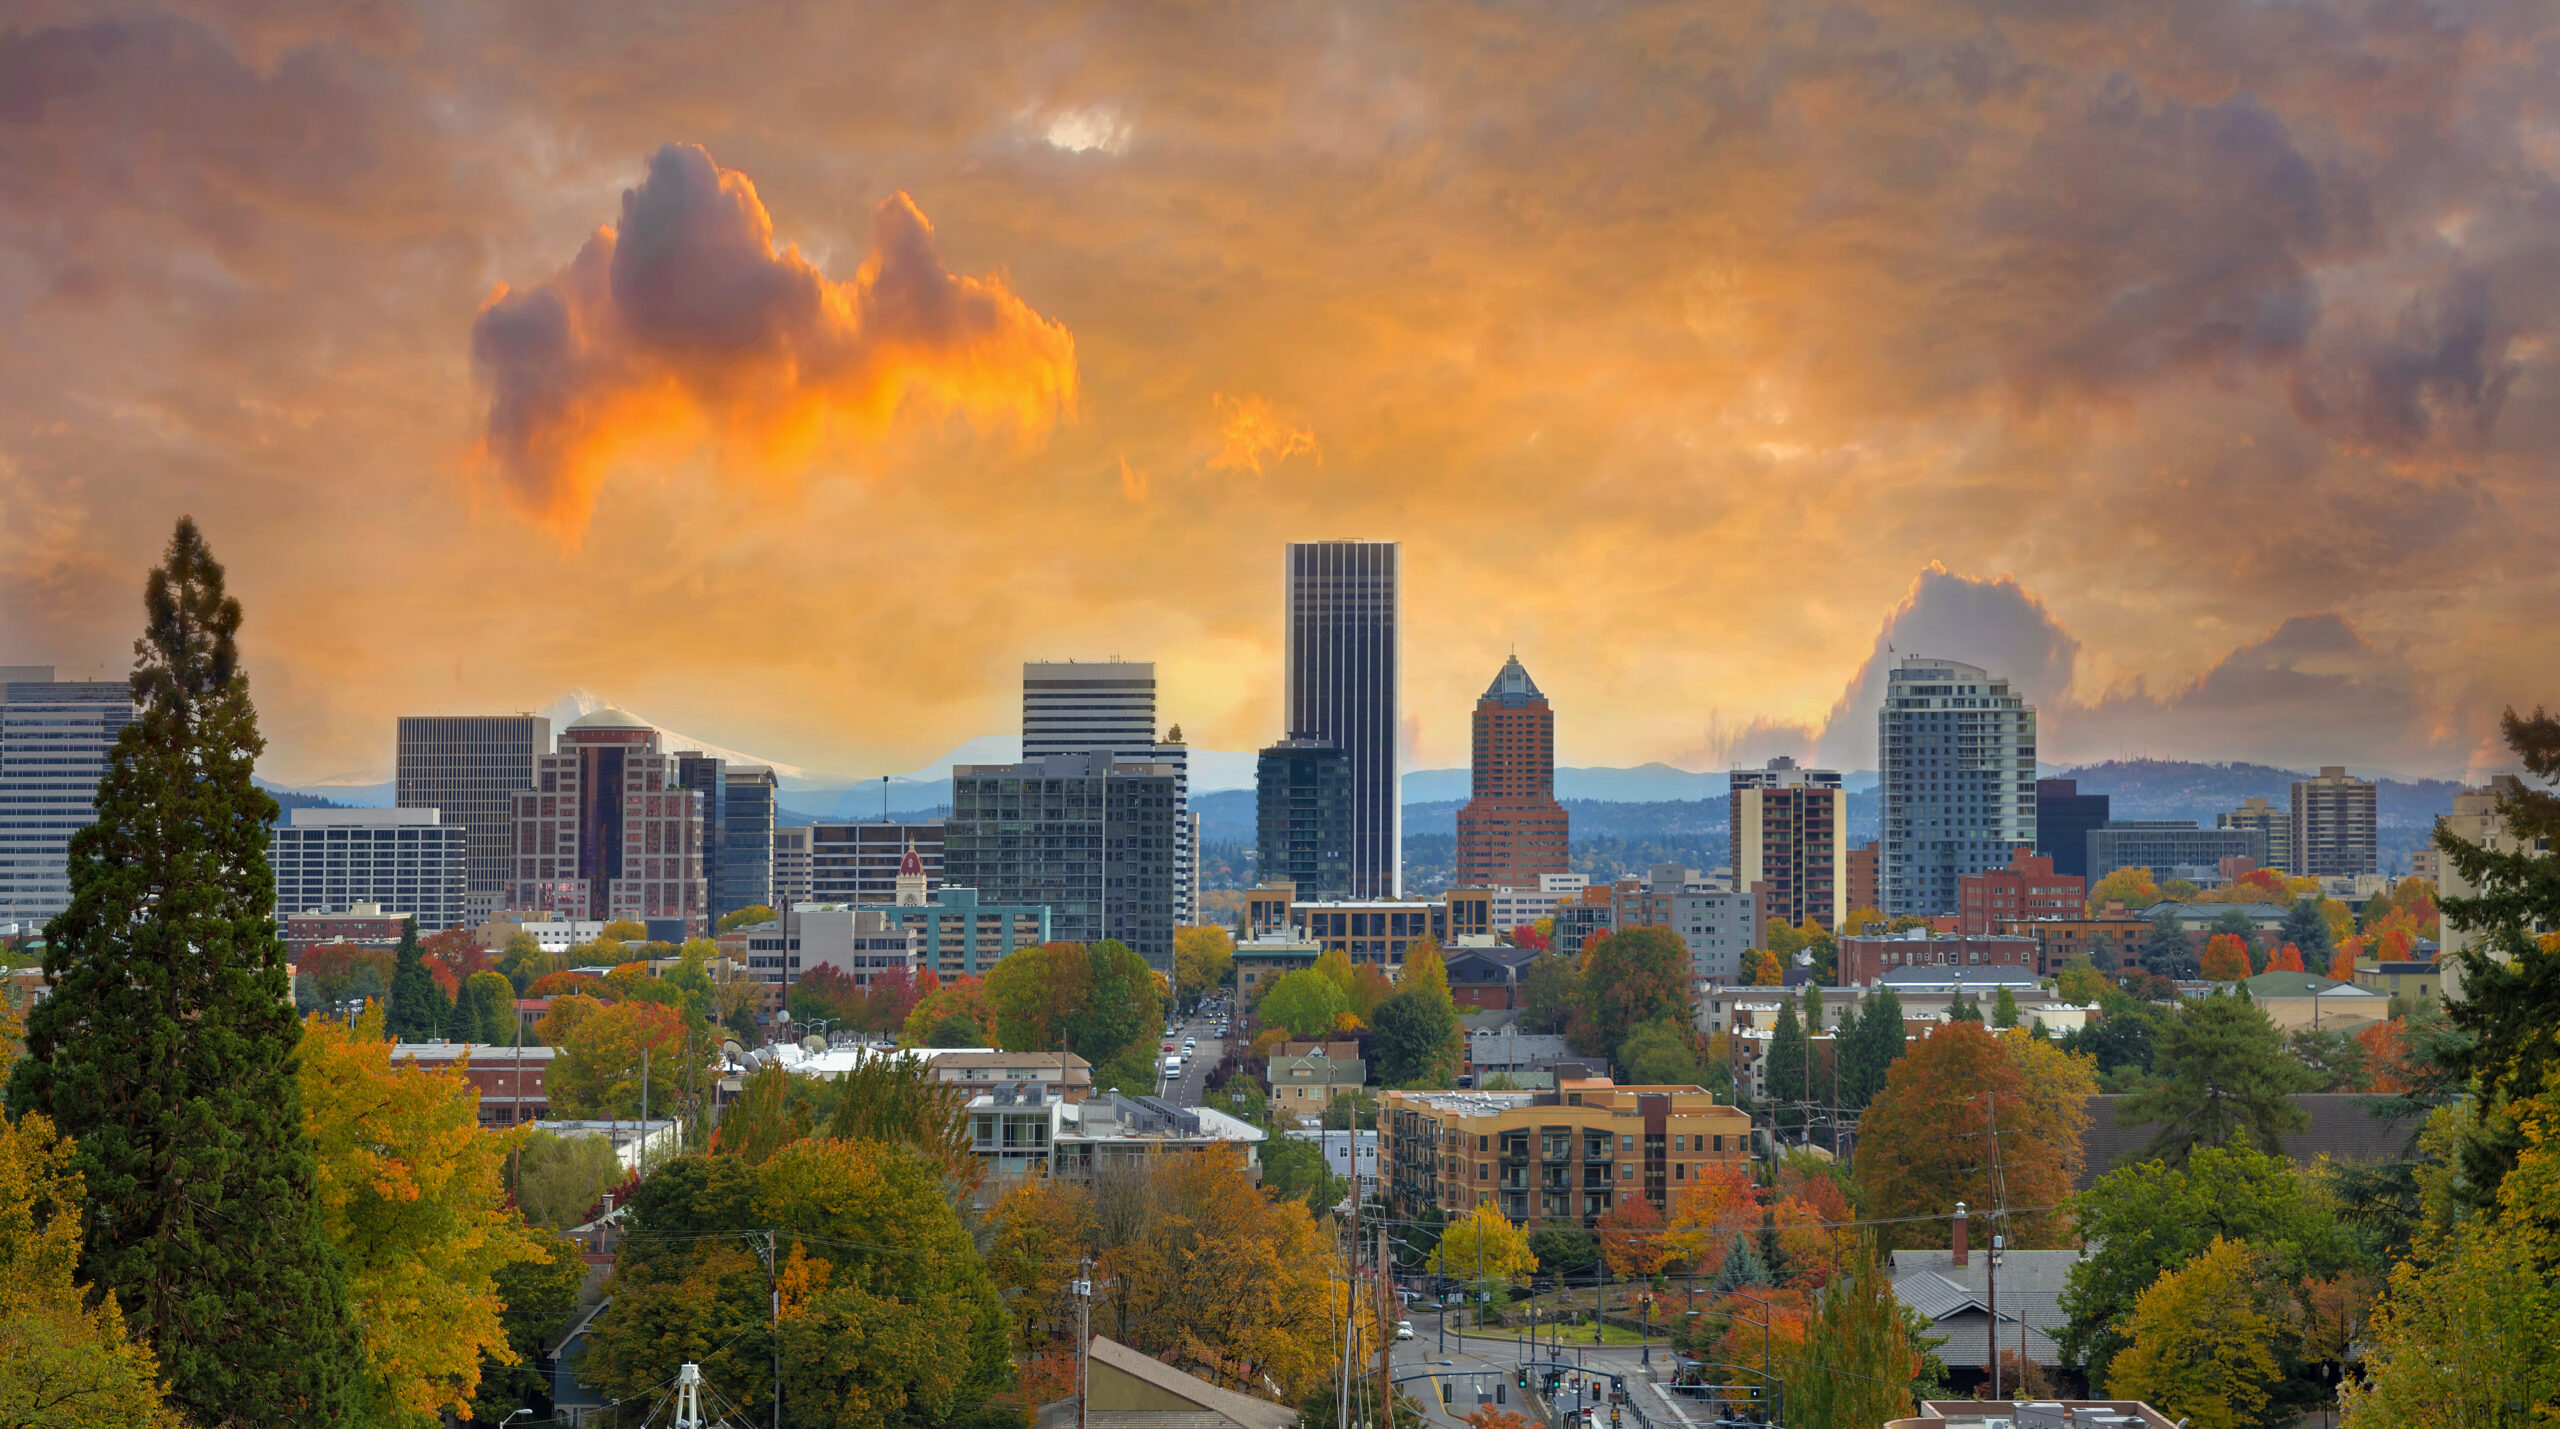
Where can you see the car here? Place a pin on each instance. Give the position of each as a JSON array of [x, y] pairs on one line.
[[1404, 1329]]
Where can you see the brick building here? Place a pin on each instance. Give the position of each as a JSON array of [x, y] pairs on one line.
[[366, 925], [2027, 889], [1512, 830], [1865, 960], [608, 831], [508, 1079], [2111, 940], [1864, 887], [1554, 1158]]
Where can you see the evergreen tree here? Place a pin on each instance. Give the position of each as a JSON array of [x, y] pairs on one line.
[[419, 1009], [2305, 928], [2004, 1009], [2228, 1081], [1869, 1046], [486, 1009], [1743, 1269], [168, 1044], [1963, 1008], [2166, 949], [1783, 1079]]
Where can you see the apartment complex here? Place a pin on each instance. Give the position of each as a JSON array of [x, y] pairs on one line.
[[1342, 609], [2064, 817], [471, 768], [1957, 750], [2110, 939], [1790, 842], [1716, 922], [2027, 889], [859, 863], [606, 831], [1866, 877], [1377, 930], [1554, 1158], [54, 739], [2475, 819], [1071, 707], [2273, 827], [1302, 817], [2333, 825], [407, 861], [1087, 836], [1511, 831]]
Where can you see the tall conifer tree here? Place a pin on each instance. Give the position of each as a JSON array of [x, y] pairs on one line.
[[419, 1009], [168, 1044]]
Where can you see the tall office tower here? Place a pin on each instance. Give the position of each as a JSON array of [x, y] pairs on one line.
[[606, 832], [408, 861], [2275, 824], [790, 867], [1511, 829], [708, 776], [1957, 752], [746, 876], [2333, 825], [1073, 708], [860, 863], [1790, 842], [470, 768], [1302, 818], [2064, 819], [1089, 837], [1345, 659], [54, 738]]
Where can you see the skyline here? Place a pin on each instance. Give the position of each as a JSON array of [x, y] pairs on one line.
[[1045, 337]]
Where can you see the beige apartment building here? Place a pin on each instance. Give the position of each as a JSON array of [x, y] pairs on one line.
[[1554, 1158], [2475, 819]]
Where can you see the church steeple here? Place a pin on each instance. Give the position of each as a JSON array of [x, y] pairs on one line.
[[911, 878]]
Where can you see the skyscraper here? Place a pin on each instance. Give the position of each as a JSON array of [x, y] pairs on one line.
[[1302, 818], [407, 861], [470, 768], [746, 841], [1089, 837], [708, 775], [1511, 829], [54, 738], [1957, 751], [606, 832], [2333, 819], [1790, 841], [2064, 819], [1070, 707], [1341, 606]]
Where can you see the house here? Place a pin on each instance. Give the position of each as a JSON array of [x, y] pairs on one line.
[[1483, 977], [1127, 1390], [1064, 1075], [1307, 1076], [1955, 1289], [2418, 982]]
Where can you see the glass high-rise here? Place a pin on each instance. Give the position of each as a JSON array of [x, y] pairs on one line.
[[1089, 837], [1076, 707], [745, 876], [1342, 610], [1302, 818], [1956, 747], [470, 768], [54, 740]]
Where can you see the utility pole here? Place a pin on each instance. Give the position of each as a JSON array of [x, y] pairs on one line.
[[1992, 1117], [773, 1288], [1386, 1334], [1084, 1335]]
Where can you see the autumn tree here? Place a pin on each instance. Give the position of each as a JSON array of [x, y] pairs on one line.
[[2225, 1079], [2226, 957], [2205, 1341], [1304, 1001], [1862, 1358], [1950, 1103], [766, 1117], [950, 1014], [166, 1046], [1483, 1248], [827, 993], [631, 1057], [1631, 1238], [410, 1195], [1037, 1232], [746, 917], [1718, 1205], [1631, 977], [898, 1101], [1097, 1000], [2287, 959], [1424, 970], [1203, 959], [2131, 887], [1760, 968]]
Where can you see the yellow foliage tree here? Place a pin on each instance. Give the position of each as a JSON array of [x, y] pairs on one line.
[[410, 1194], [1483, 1245], [1760, 969], [1424, 968], [1202, 958], [2203, 1341], [2131, 887]]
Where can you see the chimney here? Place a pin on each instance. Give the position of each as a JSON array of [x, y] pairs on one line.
[[1960, 1228]]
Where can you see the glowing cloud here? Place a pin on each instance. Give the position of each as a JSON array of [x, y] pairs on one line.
[[685, 322], [1250, 435]]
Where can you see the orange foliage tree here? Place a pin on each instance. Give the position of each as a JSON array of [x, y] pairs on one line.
[[1631, 1237], [459, 949], [1927, 1141], [962, 997], [2286, 959], [2226, 957], [1721, 1203], [1760, 969]]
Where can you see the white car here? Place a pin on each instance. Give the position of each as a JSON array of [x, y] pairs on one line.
[[1404, 1329]]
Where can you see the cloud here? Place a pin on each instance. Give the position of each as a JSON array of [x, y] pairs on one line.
[[1249, 434], [1087, 130], [1993, 623], [685, 318]]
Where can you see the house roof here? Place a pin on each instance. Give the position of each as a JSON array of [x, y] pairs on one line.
[[1219, 1408], [2341, 1129], [2266, 985], [1958, 1300]]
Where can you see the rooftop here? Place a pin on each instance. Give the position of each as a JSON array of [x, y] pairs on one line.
[[610, 718], [1512, 686]]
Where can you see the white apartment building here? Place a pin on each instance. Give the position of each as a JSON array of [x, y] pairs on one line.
[[1956, 746], [408, 861]]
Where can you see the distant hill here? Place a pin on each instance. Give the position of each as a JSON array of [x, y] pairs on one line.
[[2174, 789]]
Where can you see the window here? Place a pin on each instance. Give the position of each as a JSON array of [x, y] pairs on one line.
[[1626, 1170], [1679, 1170], [1627, 1143]]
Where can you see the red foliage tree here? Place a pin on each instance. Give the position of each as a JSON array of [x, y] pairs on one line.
[[893, 996], [566, 982], [1528, 937], [2287, 959], [2226, 957], [457, 948]]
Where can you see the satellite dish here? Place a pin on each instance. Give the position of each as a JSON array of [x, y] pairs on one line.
[[813, 1044], [731, 1050]]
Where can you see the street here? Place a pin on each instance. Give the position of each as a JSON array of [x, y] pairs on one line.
[[1483, 1364], [1188, 1088]]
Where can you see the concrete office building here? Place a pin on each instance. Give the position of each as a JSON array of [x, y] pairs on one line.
[[746, 840], [54, 740], [2272, 825], [1958, 757], [1511, 831], [1790, 842], [2170, 848], [1344, 627], [1302, 817], [607, 832], [470, 768], [1073, 708], [860, 863], [2333, 818], [1089, 837], [790, 867], [409, 861], [2064, 817]]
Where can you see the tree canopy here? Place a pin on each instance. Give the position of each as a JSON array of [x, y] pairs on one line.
[[1928, 1140], [2225, 1079]]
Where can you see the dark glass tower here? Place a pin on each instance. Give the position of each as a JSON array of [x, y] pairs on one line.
[[2065, 818], [746, 840], [1302, 818], [1341, 606]]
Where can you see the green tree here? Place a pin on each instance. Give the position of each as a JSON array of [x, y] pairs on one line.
[[2080, 981], [1660, 1053], [2206, 1340], [1294, 1169], [419, 1009], [1783, 1079], [2167, 951], [2004, 1009], [2225, 1079], [1863, 1357], [1304, 1001], [1418, 1039], [1550, 989], [557, 1178], [2307, 928], [540, 1297], [167, 1045], [1868, 1047], [1631, 977], [2144, 1221], [486, 1010]]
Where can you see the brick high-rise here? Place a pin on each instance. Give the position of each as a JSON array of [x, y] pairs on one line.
[[609, 831], [1513, 829], [1789, 831]]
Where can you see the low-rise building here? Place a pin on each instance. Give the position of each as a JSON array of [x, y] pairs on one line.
[[2416, 981], [509, 1079], [2297, 1000], [1509, 908], [366, 925], [1262, 961], [958, 936], [2170, 848], [1486, 977], [2196, 919], [1062, 1075], [1864, 960], [2110, 940], [549, 933], [861, 943], [1019, 1130], [2027, 890], [1307, 1076], [1954, 1290], [1378, 930], [1554, 1158], [1346, 1153]]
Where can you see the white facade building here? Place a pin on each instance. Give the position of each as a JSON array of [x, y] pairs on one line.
[[54, 738], [1957, 750], [408, 861]]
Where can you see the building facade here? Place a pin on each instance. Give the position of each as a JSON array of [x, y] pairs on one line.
[[859, 863], [746, 839], [2475, 819], [366, 925], [1957, 750], [2273, 825], [2110, 940], [407, 860], [2028, 889], [1715, 922], [1864, 961], [1342, 606], [1790, 841], [1511, 831], [958, 936], [1075, 708], [2170, 848], [54, 741], [607, 832], [1560, 1158], [470, 768], [2064, 817], [790, 867], [1302, 817], [1866, 880], [2333, 825], [1086, 836]]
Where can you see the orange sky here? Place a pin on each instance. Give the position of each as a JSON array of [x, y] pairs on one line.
[[2194, 362]]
